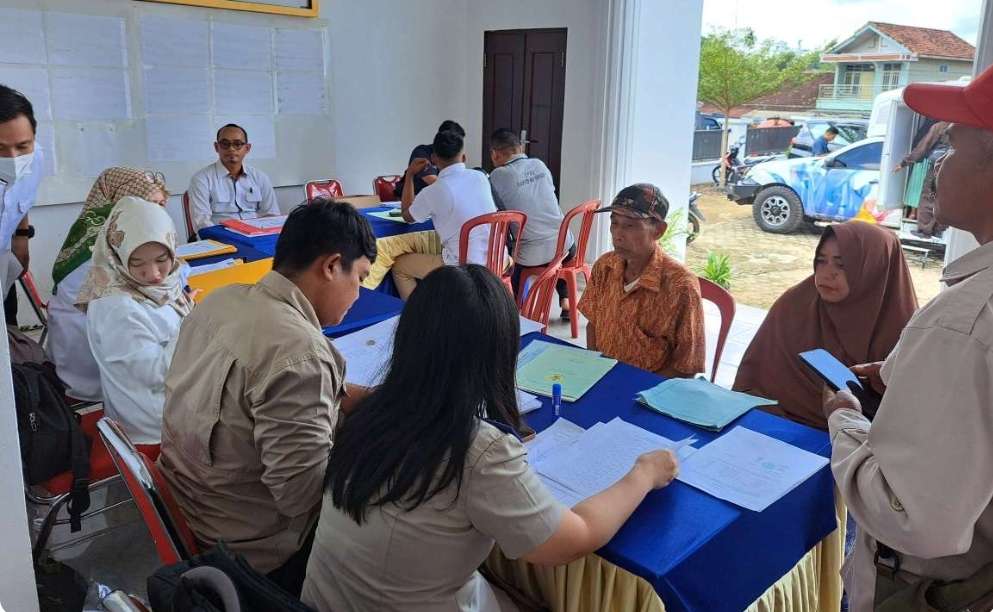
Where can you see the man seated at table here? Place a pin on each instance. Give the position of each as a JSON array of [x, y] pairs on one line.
[[229, 188], [524, 183], [429, 174], [253, 394], [643, 306], [458, 195]]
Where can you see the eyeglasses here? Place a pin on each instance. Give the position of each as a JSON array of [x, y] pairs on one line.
[[231, 144]]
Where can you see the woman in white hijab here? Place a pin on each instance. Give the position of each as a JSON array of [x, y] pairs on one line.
[[135, 301]]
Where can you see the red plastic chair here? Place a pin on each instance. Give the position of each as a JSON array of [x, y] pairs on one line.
[[712, 292], [54, 493], [39, 307], [496, 251], [188, 217], [571, 269], [166, 524], [330, 189], [539, 300], [385, 187]]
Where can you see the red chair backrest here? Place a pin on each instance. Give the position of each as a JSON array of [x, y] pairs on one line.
[[32, 290], [712, 292], [496, 250], [587, 210], [538, 302], [330, 188], [385, 187], [173, 539], [187, 216]]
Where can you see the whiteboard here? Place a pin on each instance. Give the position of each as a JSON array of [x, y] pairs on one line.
[[148, 85]]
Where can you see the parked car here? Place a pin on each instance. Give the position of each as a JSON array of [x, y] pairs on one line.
[[706, 121], [848, 132], [837, 187]]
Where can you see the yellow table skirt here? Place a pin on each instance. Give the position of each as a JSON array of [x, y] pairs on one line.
[[390, 248], [591, 584]]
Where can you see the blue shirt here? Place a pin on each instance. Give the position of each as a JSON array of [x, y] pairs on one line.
[[820, 146], [19, 198]]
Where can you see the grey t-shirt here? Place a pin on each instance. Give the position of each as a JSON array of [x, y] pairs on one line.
[[425, 559], [525, 184]]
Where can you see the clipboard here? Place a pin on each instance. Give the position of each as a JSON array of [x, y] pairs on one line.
[[826, 366]]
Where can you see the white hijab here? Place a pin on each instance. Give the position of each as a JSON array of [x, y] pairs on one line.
[[132, 223]]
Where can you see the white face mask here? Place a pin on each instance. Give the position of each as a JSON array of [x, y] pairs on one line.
[[13, 169]]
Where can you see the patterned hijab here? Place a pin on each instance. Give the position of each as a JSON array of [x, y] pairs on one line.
[[112, 185], [132, 223]]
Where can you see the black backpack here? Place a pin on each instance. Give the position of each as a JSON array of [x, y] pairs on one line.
[[52, 441]]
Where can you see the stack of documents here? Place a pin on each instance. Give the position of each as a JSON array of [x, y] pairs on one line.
[[699, 402], [542, 364], [262, 226], [527, 402], [203, 248], [749, 469], [220, 265], [576, 464]]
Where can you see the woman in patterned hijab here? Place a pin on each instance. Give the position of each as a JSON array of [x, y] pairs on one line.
[[67, 343]]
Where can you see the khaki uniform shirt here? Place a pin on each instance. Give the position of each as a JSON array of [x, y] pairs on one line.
[[425, 559], [655, 326], [920, 478], [251, 403]]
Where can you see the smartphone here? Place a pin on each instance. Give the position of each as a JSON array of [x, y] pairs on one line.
[[396, 213], [826, 366]]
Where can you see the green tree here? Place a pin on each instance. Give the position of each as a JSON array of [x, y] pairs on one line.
[[736, 68]]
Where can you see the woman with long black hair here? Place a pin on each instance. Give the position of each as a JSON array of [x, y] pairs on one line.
[[427, 473]]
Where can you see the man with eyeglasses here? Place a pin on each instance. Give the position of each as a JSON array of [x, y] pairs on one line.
[[228, 188]]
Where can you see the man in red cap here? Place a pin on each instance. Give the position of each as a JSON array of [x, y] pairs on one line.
[[919, 479]]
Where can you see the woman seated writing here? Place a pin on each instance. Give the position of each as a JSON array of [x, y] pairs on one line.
[[854, 306], [426, 473], [134, 300], [67, 343]]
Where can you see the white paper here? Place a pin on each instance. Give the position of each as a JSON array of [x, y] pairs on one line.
[[557, 436], [240, 46], [46, 139], [242, 91], [526, 402], [203, 269], [749, 469], [101, 146], [85, 40], [301, 92], [166, 41], [265, 223], [198, 248], [85, 94], [566, 496], [180, 139], [174, 89], [22, 37], [33, 83], [603, 455], [367, 352], [261, 133], [528, 326], [300, 50]]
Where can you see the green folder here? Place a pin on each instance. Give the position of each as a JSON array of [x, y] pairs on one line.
[[577, 370], [699, 402]]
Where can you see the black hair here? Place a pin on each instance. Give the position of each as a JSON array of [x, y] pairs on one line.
[[504, 138], [832, 130], [408, 440], [232, 125], [13, 104], [447, 145], [323, 227], [450, 126]]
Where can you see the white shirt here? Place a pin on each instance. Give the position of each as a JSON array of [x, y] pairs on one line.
[[458, 195], [133, 344], [215, 195], [919, 478], [525, 184]]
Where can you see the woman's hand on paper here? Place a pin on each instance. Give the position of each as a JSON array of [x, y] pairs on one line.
[[661, 466]]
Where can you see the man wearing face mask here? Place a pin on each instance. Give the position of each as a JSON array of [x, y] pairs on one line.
[[20, 173]]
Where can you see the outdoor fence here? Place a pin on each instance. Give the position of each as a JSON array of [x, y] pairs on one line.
[[707, 144]]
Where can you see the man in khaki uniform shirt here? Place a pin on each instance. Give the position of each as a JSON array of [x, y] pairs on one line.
[[253, 393], [919, 479]]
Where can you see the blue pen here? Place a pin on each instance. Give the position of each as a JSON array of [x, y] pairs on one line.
[[557, 398]]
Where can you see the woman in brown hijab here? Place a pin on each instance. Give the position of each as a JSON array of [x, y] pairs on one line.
[[854, 305]]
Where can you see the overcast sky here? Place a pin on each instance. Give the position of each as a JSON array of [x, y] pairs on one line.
[[815, 22]]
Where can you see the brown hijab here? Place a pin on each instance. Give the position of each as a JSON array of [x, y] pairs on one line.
[[863, 328]]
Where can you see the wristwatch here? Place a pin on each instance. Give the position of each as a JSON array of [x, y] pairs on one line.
[[27, 233]]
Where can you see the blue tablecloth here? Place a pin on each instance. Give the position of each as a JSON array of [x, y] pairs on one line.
[[371, 307], [701, 553], [244, 252], [384, 228]]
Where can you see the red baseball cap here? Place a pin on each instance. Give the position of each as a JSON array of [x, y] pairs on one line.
[[969, 105]]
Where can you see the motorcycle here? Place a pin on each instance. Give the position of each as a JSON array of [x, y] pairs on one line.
[[734, 169], [696, 218]]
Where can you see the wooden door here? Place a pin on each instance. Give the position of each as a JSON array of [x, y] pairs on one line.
[[524, 90]]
